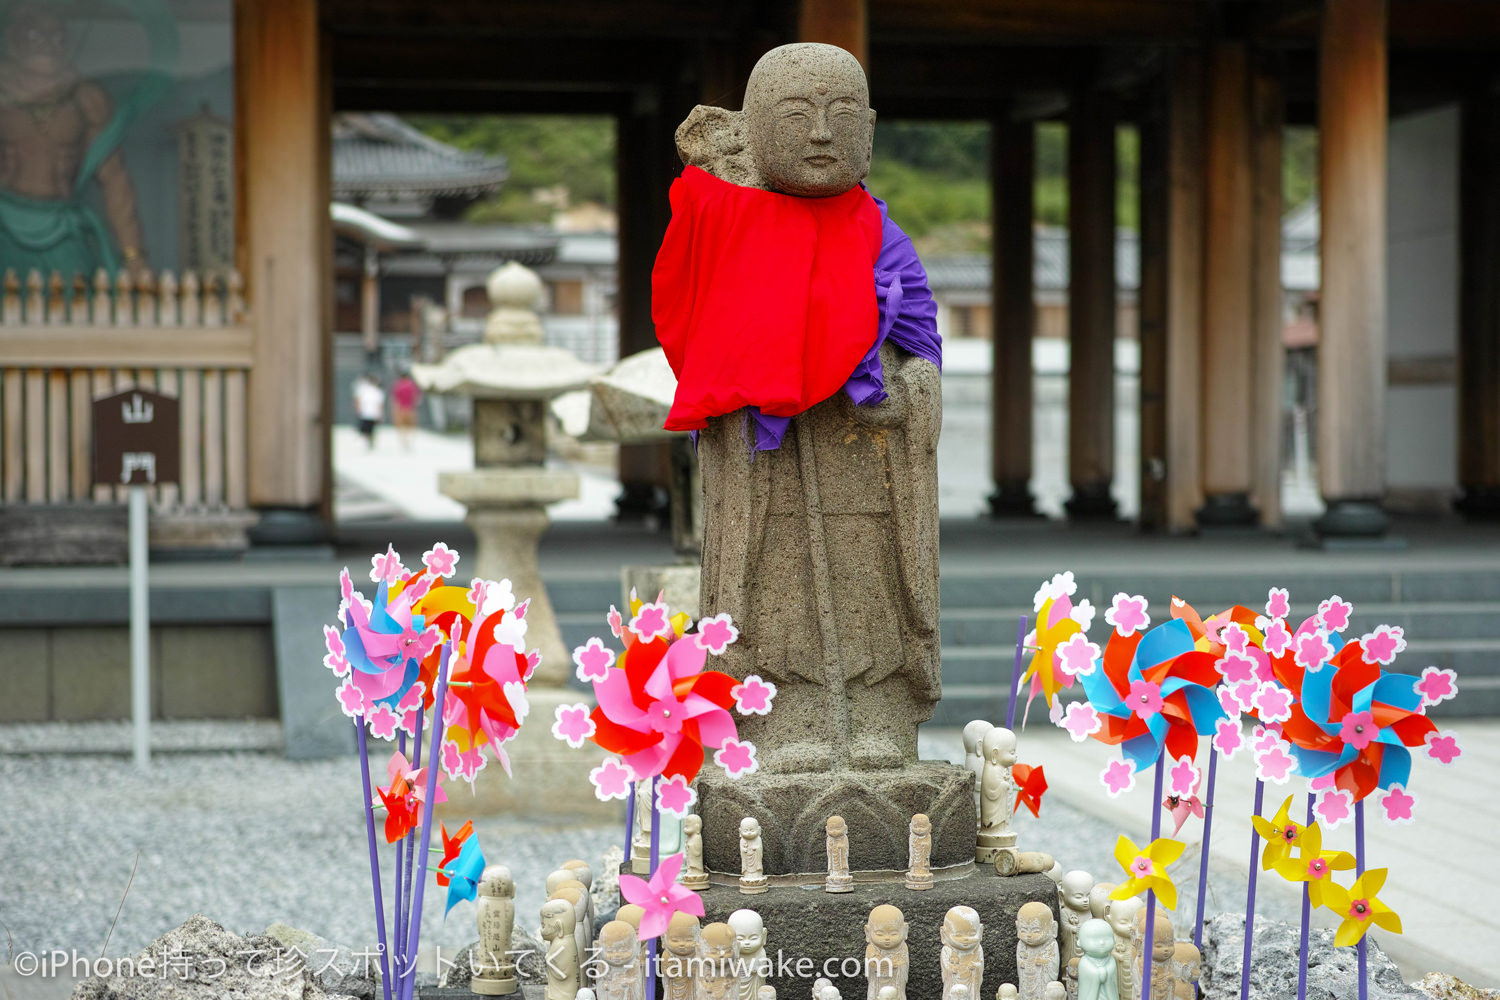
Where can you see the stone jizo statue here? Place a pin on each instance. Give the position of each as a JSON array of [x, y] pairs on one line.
[[718, 952], [1036, 949], [693, 875], [750, 942], [561, 963], [616, 970], [973, 758], [494, 971], [839, 879], [1097, 978], [962, 956], [1187, 966], [919, 853], [679, 966], [997, 793], [752, 876], [1073, 906], [1122, 917], [887, 961]]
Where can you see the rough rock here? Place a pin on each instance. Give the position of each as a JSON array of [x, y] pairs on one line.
[[335, 968], [1332, 973], [1441, 986], [202, 961]]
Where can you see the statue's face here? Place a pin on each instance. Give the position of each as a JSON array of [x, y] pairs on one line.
[[921, 825], [692, 824], [749, 828], [836, 826], [1000, 747], [1162, 948], [1034, 932], [808, 120], [748, 929], [36, 39], [960, 931], [681, 940], [1075, 890], [619, 952], [1096, 938], [886, 933]]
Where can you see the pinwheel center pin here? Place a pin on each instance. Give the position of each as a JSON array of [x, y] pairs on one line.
[[1360, 910], [1289, 834], [665, 716], [1318, 868]]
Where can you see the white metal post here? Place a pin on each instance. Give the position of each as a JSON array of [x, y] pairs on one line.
[[140, 631]]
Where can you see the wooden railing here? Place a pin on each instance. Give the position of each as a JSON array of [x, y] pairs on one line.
[[64, 343]]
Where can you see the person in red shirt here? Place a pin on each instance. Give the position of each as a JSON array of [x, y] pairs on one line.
[[405, 395]]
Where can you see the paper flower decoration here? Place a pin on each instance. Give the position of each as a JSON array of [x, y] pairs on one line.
[[1128, 614], [464, 873], [660, 897], [1281, 834], [1155, 692], [1147, 869], [1058, 621], [382, 645], [1031, 785], [1360, 909], [1313, 865]]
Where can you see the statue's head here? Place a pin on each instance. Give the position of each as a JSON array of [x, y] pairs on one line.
[[749, 828], [1035, 925], [961, 928], [1073, 892], [581, 870], [718, 942], [1054, 991], [1095, 938], [749, 930], [682, 934], [692, 825], [1122, 915], [558, 917], [974, 732], [1187, 961], [999, 746], [497, 882], [36, 38], [557, 879], [631, 914], [1163, 941], [617, 942], [886, 928], [808, 120], [1099, 900], [836, 827], [921, 825]]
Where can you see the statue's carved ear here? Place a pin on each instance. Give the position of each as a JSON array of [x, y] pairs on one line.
[[709, 134]]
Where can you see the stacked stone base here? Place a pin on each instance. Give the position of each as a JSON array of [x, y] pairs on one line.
[[816, 931]]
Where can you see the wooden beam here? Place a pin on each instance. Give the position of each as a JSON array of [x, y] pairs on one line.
[[472, 19], [844, 23], [1038, 21], [113, 347], [1012, 313], [1184, 294], [1352, 185], [1479, 307], [1268, 356]]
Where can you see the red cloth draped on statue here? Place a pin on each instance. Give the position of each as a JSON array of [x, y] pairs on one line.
[[763, 299]]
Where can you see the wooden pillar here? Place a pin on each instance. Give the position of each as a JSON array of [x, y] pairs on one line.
[[1012, 314], [1091, 304], [1268, 355], [844, 23], [1228, 252], [1352, 104], [1479, 308], [282, 130], [369, 301]]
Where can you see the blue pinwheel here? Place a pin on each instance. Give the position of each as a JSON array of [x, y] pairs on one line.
[[464, 872]]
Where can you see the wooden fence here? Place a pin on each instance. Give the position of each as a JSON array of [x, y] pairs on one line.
[[64, 343]]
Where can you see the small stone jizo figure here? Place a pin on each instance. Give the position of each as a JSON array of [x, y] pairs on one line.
[[693, 874], [766, 993], [718, 954], [1007, 991], [962, 956], [839, 879], [494, 972], [973, 757], [632, 914], [1073, 907], [750, 941], [919, 853], [752, 875], [886, 955], [1036, 949], [616, 969], [959, 992], [559, 918], [1122, 915], [887, 993], [1097, 979], [1010, 861], [572, 891], [1187, 966], [679, 968], [1099, 900], [997, 793], [1055, 991], [640, 844], [1163, 946]]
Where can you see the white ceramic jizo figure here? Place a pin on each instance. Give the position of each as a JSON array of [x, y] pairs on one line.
[[997, 795], [752, 875], [693, 874], [886, 956], [1122, 914], [561, 962], [494, 972], [963, 953], [1073, 906], [1095, 973], [1036, 949], [919, 853], [839, 879], [616, 968], [973, 756], [750, 939]]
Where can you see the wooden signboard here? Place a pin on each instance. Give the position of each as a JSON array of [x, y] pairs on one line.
[[137, 439]]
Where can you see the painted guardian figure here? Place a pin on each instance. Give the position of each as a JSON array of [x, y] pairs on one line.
[[798, 320]]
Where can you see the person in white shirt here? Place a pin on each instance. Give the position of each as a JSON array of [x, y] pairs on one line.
[[369, 406]]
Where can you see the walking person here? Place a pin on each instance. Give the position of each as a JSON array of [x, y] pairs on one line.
[[369, 406], [405, 395]]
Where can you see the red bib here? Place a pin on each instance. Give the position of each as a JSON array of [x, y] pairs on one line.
[[762, 299]]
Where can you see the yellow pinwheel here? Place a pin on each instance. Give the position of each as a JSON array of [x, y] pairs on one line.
[[1313, 865], [679, 621], [1147, 869], [1055, 625], [1359, 907], [1280, 833]]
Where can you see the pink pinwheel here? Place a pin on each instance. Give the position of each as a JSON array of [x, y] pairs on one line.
[[660, 897], [1181, 807]]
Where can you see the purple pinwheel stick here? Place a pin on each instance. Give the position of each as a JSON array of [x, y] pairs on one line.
[[629, 825], [364, 773], [1260, 801], [414, 934], [402, 886], [1208, 829], [655, 852], [1359, 869], [1306, 920], [410, 839], [1015, 676], [1151, 894]]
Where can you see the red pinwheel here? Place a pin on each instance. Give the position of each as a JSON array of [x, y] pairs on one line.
[[451, 847], [1031, 785]]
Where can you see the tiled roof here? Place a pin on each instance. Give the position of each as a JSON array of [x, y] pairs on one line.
[[379, 155]]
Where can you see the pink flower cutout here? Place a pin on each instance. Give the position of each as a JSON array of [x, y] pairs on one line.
[[1333, 614], [616, 623], [1358, 729], [1398, 803], [1274, 764], [1127, 614], [1246, 693], [1265, 737], [1236, 668], [1117, 777], [651, 621], [737, 758], [1278, 638], [675, 797], [715, 634], [383, 722], [1443, 747], [1382, 645], [386, 568], [611, 780], [753, 696], [1081, 720], [1145, 698], [351, 699], [1228, 737], [1077, 657], [1278, 603], [1183, 778], [1312, 650], [478, 588], [592, 660], [1229, 701], [1335, 806], [660, 897], [1436, 685], [1141, 867], [1273, 703], [1326, 781], [441, 560], [467, 764], [572, 724], [336, 658]]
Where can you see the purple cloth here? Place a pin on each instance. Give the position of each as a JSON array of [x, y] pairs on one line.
[[908, 317]]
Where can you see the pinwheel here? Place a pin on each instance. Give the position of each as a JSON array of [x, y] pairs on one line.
[[1058, 621], [1146, 869], [1313, 866], [1031, 785], [486, 702], [1281, 833], [660, 897], [1181, 807], [404, 797], [462, 873], [451, 847], [1360, 908], [380, 651]]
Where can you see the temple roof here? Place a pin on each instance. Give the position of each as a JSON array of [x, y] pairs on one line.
[[381, 157]]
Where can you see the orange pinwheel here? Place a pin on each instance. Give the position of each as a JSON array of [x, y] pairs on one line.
[[451, 847], [1031, 785]]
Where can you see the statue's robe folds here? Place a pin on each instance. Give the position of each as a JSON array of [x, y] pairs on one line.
[[820, 519]]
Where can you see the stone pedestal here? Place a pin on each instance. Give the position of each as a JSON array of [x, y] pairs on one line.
[[804, 922], [877, 806]]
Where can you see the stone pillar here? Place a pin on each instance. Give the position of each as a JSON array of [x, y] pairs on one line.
[[1228, 252], [844, 23], [1091, 304], [1012, 314], [1352, 341], [284, 233], [1479, 308]]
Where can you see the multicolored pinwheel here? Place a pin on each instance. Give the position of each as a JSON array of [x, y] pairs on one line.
[[379, 652], [404, 797], [486, 702], [1146, 868], [463, 873], [1058, 622]]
